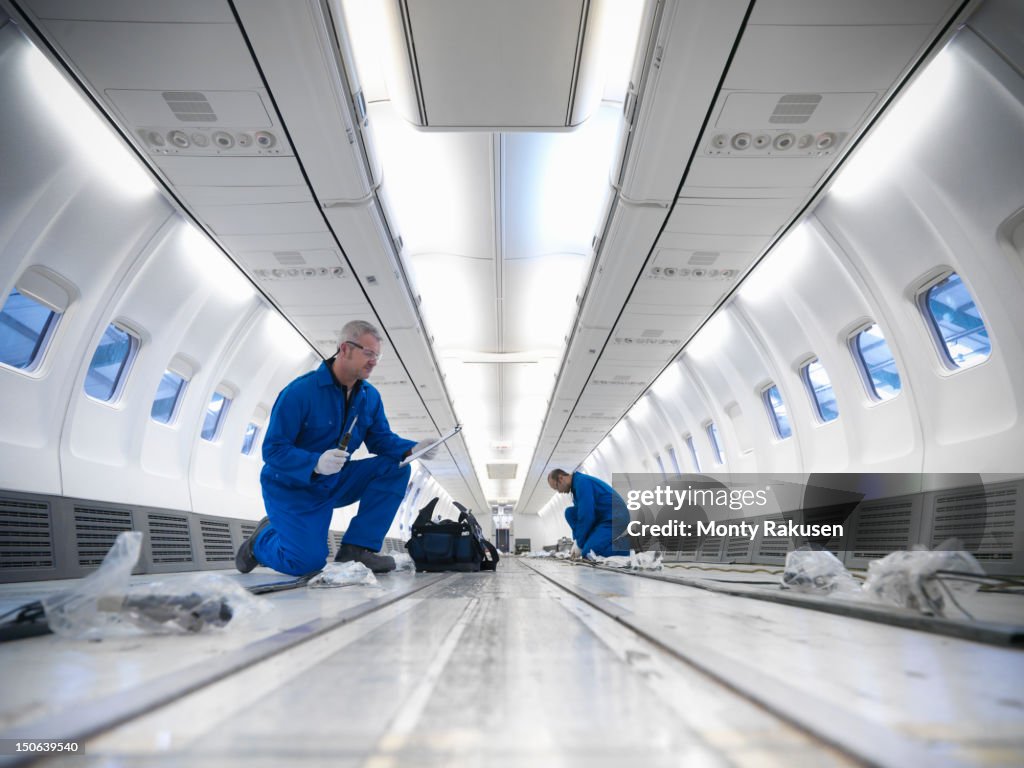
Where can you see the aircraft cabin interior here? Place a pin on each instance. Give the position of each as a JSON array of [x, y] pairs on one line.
[[611, 251]]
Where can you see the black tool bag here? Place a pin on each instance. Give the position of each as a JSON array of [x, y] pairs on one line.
[[450, 545]]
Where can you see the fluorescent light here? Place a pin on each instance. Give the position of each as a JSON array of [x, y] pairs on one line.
[[91, 138], [667, 385], [773, 277], [213, 268], [712, 338], [898, 130]]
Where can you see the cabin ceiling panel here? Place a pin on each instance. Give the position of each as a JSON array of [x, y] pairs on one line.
[[453, 288], [292, 241], [299, 292], [298, 60], [652, 323], [200, 196], [689, 295], [158, 57], [231, 172], [820, 59], [724, 217], [489, 63], [756, 171], [542, 172], [277, 219], [367, 245], [429, 177], [696, 242], [194, 11], [820, 12], [538, 304]]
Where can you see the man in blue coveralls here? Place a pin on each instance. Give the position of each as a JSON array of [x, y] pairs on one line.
[[307, 474], [598, 518]]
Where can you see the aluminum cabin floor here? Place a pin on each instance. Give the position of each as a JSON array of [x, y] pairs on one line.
[[541, 663]]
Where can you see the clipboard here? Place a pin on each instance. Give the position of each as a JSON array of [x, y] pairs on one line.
[[443, 438]]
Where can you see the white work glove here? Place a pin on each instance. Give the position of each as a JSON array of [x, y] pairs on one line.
[[331, 461], [423, 444], [574, 553]]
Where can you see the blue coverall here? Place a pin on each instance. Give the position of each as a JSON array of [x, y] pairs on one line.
[[597, 510], [309, 417]]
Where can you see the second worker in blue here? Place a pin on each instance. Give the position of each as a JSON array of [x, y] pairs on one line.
[[306, 474], [598, 516]]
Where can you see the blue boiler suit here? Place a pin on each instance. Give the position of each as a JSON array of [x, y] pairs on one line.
[[598, 517], [308, 418]]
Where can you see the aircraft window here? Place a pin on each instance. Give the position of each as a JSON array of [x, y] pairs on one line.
[[716, 446], [252, 431], [215, 411], [168, 396], [693, 452], [777, 412], [661, 464], [26, 327], [959, 330], [675, 459], [877, 363], [819, 385], [110, 364]]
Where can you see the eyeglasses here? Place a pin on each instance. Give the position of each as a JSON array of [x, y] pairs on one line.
[[370, 354]]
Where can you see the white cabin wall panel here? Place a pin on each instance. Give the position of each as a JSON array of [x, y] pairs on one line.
[[259, 351], [693, 397], [695, 41], [789, 343], [105, 445], [938, 208], [52, 193]]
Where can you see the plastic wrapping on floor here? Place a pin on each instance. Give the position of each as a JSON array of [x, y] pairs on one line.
[[343, 575], [921, 580], [635, 561], [403, 561], [818, 572], [104, 604]]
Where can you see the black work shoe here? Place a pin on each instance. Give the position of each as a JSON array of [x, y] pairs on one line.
[[245, 560], [375, 561]]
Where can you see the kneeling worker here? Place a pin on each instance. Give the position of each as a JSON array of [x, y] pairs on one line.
[[307, 474], [598, 516]]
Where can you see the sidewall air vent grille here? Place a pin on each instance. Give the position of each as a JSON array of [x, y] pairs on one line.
[[96, 528], [26, 537]]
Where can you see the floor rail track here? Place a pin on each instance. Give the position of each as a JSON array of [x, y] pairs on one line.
[[856, 737], [77, 723]]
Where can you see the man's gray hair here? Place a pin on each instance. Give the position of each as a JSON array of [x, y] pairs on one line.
[[356, 328]]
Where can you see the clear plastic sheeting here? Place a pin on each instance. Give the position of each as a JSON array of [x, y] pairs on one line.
[[345, 574], [403, 561], [635, 561], [818, 572], [104, 604], [921, 580], [544, 553]]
